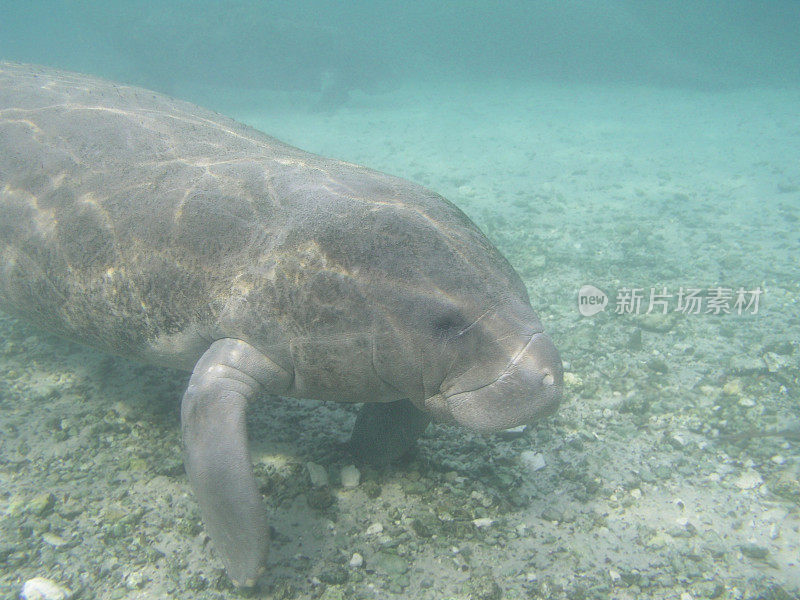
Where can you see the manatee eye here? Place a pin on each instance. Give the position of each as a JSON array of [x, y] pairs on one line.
[[449, 323]]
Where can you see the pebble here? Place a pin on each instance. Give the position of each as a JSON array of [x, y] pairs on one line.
[[42, 504], [135, 580], [752, 550], [513, 432], [481, 498], [318, 474], [677, 441], [350, 476], [482, 522], [775, 362], [41, 588], [748, 480], [747, 365], [374, 529], [356, 560], [320, 497], [389, 563], [657, 322], [532, 461], [54, 540], [732, 388]]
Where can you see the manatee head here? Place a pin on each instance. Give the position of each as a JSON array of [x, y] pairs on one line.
[[452, 328]]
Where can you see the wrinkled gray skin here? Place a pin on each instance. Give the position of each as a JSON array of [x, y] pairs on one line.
[[158, 230]]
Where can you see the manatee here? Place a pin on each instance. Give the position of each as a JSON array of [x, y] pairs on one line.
[[157, 230]]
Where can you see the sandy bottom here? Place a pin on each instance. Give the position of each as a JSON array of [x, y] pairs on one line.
[[655, 479]]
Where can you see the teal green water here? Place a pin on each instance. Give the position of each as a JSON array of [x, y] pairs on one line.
[[289, 45], [649, 146]]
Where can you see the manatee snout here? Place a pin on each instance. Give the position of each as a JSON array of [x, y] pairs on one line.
[[528, 388]]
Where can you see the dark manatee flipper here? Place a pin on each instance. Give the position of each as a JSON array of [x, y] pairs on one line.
[[383, 432], [226, 377]]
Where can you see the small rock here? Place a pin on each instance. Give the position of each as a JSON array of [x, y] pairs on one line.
[[710, 589], [71, 509], [747, 365], [552, 513], [513, 432], [135, 580], [658, 322], [414, 488], [390, 563], [356, 560], [336, 575], [374, 529], [787, 485], [195, 582], [482, 522], [54, 540], [754, 551], [481, 498], [532, 461], [320, 498], [40, 588], [42, 504], [732, 388], [318, 474], [482, 586], [350, 476], [676, 440], [421, 527], [372, 489], [775, 362], [748, 480], [658, 366]]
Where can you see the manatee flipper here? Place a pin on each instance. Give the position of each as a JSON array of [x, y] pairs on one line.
[[216, 454], [385, 431]]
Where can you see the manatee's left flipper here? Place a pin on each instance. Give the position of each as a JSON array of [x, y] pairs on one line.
[[216, 455], [384, 431]]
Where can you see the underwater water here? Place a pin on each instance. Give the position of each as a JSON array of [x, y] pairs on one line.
[[638, 163]]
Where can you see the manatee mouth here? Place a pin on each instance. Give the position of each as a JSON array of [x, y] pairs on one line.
[[528, 388]]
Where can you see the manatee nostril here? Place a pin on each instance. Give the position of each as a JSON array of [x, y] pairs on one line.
[[548, 378]]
